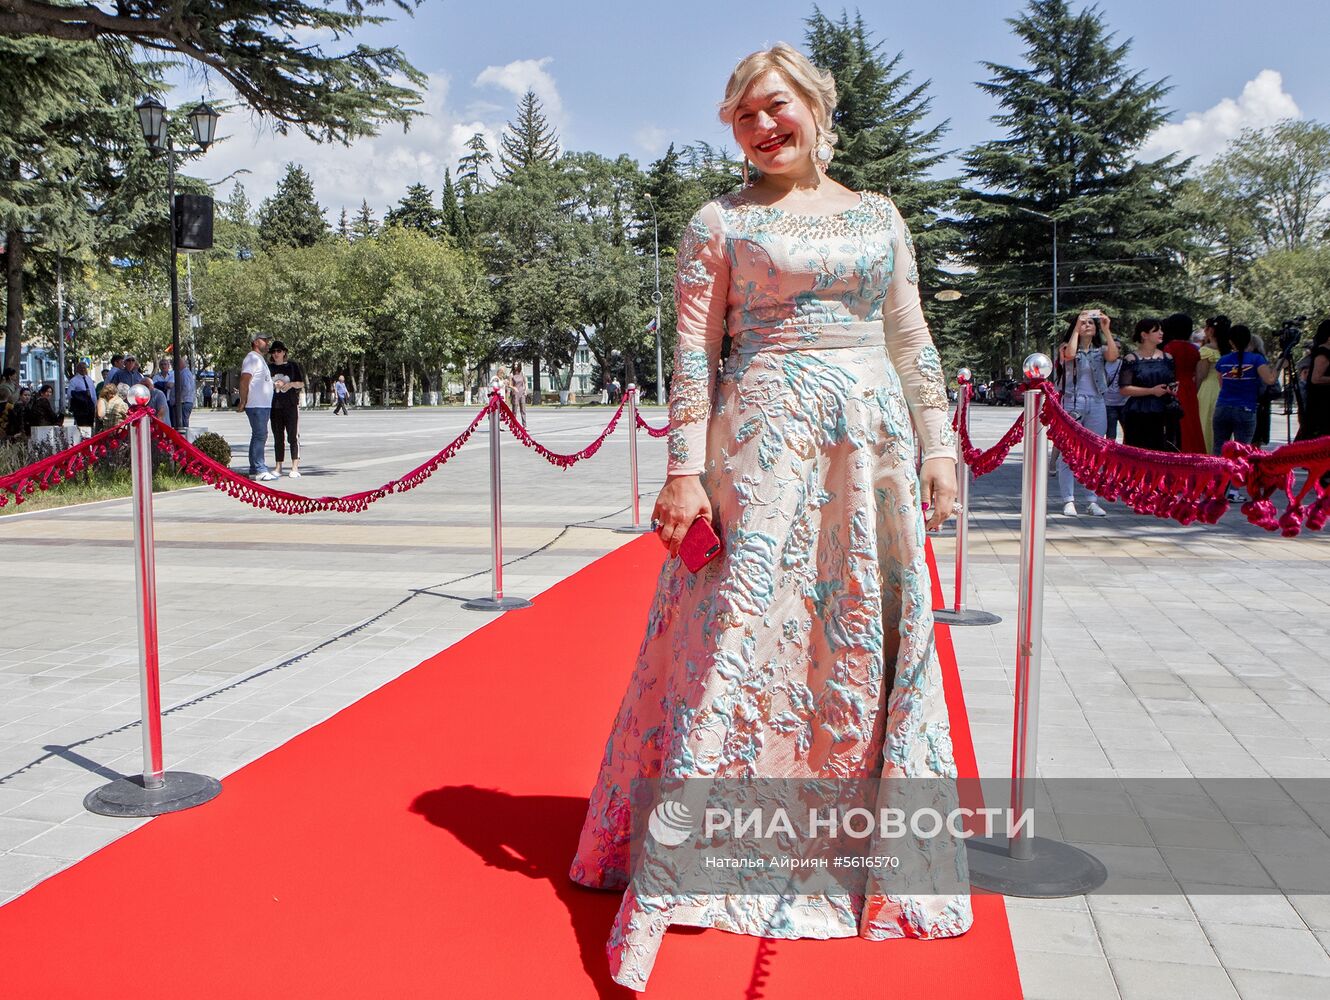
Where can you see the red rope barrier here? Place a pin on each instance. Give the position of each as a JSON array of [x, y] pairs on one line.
[[48, 472], [983, 462], [554, 458], [1184, 487], [195, 463], [655, 432]]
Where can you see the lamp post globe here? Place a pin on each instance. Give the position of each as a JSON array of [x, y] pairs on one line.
[[1038, 367], [203, 120], [151, 114]]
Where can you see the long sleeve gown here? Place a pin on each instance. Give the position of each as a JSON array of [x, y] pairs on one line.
[[805, 650]]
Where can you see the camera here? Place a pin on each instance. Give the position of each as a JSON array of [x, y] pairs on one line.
[[1290, 334]]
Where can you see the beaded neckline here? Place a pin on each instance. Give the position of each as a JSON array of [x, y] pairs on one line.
[[738, 202]]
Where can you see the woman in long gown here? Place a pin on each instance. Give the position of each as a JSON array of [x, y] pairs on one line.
[[1186, 356], [805, 651]]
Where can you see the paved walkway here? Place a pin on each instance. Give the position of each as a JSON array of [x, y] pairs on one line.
[[1169, 651]]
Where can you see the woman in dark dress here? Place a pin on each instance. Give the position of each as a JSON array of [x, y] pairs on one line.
[[1148, 383], [1315, 420]]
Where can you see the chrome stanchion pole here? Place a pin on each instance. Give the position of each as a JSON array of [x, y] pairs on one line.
[[637, 527], [1022, 864], [156, 790], [496, 601], [959, 614]]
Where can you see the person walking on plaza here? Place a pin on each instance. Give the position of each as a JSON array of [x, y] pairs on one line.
[[1315, 419], [1086, 349], [1149, 384], [288, 379], [517, 384], [81, 397], [340, 394], [804, 651], [255, 402], [184, 378], [1214, 346], [1186, 356]]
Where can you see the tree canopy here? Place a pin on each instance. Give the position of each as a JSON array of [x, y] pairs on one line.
[[262, 48]]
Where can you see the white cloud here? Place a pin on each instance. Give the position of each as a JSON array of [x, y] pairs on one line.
[[527, 74], [651, 139], [377, 170], [1205, 134]]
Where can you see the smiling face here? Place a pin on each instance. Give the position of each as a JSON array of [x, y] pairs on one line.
[[775, 126]]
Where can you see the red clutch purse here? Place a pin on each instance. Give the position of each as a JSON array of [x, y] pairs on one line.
[[700, 545]]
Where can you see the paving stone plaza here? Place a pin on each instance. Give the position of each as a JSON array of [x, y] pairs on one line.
[[1170, 652]]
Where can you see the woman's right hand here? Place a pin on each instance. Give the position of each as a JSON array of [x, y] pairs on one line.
[[681, 502]]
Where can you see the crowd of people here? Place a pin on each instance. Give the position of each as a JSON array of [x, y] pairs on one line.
[[1179, 389]]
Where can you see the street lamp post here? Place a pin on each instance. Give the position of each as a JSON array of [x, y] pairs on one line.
[[1048, 218], [656, 298], [156, 128]]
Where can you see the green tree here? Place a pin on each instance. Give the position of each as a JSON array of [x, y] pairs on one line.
[[1280, 285], [292, 215], [344, 226], [884, 142], [416, 211], [472, 167], [75, 173], [450, 212], [364, 226], [1075, 117], [261, 47], [529, 138], [1281, 176], [235, 232]]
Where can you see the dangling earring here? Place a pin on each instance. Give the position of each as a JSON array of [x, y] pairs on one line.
[[822, 154], [744, 171]]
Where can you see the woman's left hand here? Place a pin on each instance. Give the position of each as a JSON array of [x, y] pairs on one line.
[[937, 479]]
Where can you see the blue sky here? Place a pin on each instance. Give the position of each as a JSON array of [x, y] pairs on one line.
[[621, 77]]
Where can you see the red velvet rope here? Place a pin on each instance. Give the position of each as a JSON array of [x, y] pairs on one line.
[[1184, 487], [983, 462], [655, 432], [553, 457], [195, 463], [52, 471], [1276, 471]]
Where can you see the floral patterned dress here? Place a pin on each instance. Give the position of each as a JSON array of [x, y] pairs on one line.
[[805, 650]]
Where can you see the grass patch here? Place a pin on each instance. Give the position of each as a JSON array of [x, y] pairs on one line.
[[107, 486]]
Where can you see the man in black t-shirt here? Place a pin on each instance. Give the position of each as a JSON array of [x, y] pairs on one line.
[[288, 378]]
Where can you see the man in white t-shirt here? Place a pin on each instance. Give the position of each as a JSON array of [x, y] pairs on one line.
[[256, 403]]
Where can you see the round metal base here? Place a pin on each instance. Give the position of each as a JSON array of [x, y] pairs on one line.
[[502, 604], [634, 529], [1054, 870], [949, 616], [127, 797]]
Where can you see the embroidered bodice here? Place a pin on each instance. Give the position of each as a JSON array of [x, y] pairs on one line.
[[778, 281]]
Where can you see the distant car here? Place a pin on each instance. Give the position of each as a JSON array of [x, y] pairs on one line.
[[1003, 392]]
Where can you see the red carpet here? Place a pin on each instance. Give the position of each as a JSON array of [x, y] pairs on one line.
[[417, 845]]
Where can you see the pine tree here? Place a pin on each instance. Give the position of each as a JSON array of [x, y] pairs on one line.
[[883, 142], [416, 211], [673, 198], [1075, 116], [364, 227], [529, 139], [237, 234], [344, 226], [292, 216], [472, 166], [450, 212]]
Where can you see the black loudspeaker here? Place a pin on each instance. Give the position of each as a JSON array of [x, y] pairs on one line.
[[193, 222]]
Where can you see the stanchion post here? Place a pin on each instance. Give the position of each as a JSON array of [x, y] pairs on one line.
[[156, 790], [637, 527], [1023, 864], [959, 614], [496, 601]]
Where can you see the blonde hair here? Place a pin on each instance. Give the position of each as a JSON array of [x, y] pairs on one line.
[[816, 86]]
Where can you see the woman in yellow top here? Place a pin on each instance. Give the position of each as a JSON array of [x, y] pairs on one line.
[[1214, 347]]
